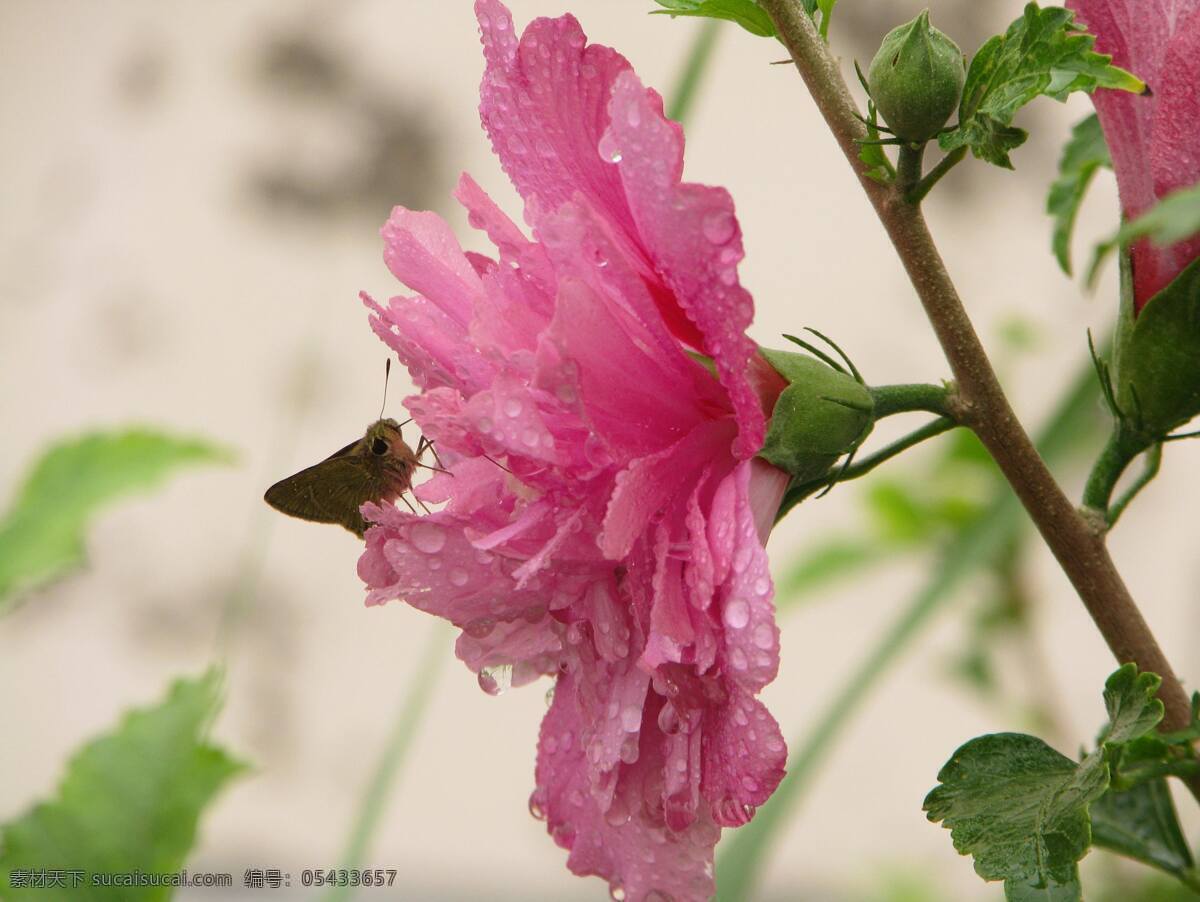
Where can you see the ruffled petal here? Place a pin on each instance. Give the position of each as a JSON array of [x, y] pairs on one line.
[[625, 841], [694, 240], [744, 757]]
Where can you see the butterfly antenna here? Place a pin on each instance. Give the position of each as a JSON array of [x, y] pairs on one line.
[[387, 371]]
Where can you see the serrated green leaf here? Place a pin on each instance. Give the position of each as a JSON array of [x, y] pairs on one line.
[[1085, 152], [41, 536], [1043, 53], [1032, 891], [745, 13], [1019, 808], [130, 801], [1141, 823], [1133, 709]]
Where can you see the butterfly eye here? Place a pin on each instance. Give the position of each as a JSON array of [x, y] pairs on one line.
[[379, 446]]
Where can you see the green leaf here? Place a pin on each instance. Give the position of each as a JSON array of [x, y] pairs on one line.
[[1174, 218], [1154, 371], [1020, 808], [745, 13], [1083, 154], [129, 800], [41, 537], [1043, 53], [1141, 823], [1133, 708], [824, 564]]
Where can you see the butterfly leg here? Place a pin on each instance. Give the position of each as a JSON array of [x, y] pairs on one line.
[[409, 503], [426, 444]]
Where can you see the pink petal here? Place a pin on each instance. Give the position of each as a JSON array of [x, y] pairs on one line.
[[693, 239], [648, 483], [744, 757], [627, 842], [421, 251], [636, 400], [751, 638]]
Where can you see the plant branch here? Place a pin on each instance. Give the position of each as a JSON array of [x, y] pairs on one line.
[[981, 403], [893, 399]]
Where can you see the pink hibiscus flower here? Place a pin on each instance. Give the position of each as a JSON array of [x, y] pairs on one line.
[[619, 547], [1154, 138]]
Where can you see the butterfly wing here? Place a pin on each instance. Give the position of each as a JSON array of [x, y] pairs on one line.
[[331, 491]]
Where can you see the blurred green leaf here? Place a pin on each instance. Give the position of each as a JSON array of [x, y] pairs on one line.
[[1141, 823], [41, 536], [1083, 154], [745, 13], [821, 565], [129, 801], [1043, 53], [1174, 218]]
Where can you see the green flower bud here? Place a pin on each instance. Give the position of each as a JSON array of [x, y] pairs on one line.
[[1155, 373], [916, 79], [820, 416]]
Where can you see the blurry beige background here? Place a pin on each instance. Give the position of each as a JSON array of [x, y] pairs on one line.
[[190, 195]]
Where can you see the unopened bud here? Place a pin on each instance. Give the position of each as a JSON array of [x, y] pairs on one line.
[[916, 79]]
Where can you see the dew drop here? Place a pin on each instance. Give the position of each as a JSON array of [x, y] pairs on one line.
[[738, 658], [428, 537], [616, 892], [762, 586], [516, 145], [485, 425], [633, 115], [458, 577], [668, 719], [549, 702], [530, 438], [719, 226], [774, 745], [728, 276], [535, 806], [512, 407], [608, 148], [631, 718], [737, 614], [629, 751], [495, 680], [750, 783], [480, 628], [763, 637]]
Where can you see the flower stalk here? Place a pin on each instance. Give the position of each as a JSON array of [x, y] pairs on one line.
[[982, 404]]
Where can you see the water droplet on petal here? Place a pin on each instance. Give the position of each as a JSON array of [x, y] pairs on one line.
[[458, 577], [762, 586], [616, 892], [608, 148], [763, 637], [480, 628], [631, 718], [512, 407], [629, 750], [535, 806], [428, 537], [737, 613], [728, 276], [719, 226], [668, 719], [530, 438], [485, 425], [550, 699], [495, 680], [633, 115], [738, 658]]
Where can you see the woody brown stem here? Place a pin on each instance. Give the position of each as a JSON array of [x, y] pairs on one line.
[[981, 404]]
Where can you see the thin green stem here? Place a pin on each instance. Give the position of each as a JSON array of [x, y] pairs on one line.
[[692, 73], [417, 694], [739, 864], [893, 399], [1149, 471], [798, 493], [925, 185], [1123, 445], [908, 166]]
